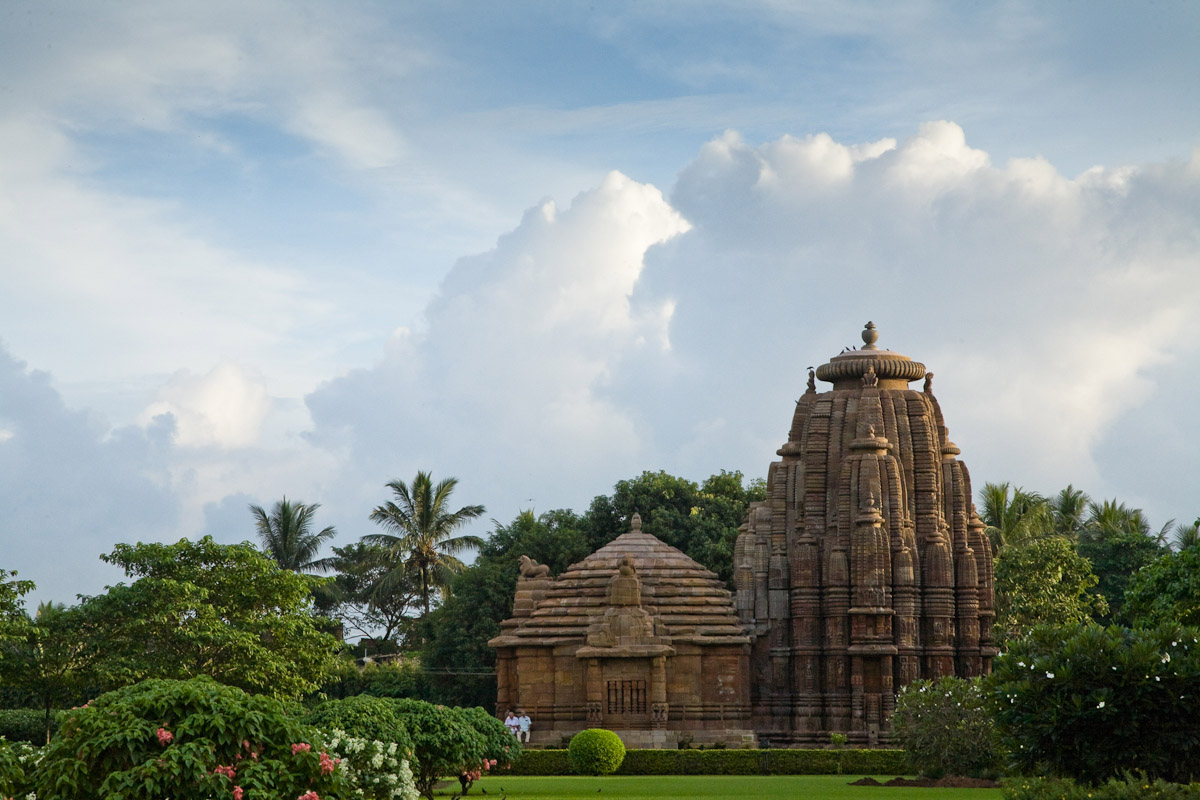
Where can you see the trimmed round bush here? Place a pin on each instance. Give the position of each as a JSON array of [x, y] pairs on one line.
[[596, 752]]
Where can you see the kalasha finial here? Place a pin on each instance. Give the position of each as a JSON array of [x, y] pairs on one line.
[[870, 336], [635, 524]]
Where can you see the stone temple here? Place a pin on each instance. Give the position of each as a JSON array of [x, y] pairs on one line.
[[865, 569], [637, 638]]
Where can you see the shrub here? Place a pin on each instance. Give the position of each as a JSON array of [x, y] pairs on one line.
[[26, 724], [1091, 703], [17, 760], [378, 770], [363, 717], [188, 740], [946, 728], [500, 748], [727, 762], [444, 743], [596, 752], [1131, 787]]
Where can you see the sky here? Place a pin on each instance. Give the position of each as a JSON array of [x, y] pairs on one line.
[[256, 249]]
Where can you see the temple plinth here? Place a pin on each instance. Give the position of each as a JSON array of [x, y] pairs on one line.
[[867, 567]]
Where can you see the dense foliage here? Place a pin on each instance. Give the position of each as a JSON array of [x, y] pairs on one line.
[[1090, 703], [1129, 787], [946, 728], [202, 608], [782, 761], [189, 740], [445, 745], [377, 770], [1043, 581], [596, 751], [363, 717], [1166, 591]]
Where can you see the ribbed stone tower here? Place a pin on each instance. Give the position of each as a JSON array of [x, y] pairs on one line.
[[867, 567]]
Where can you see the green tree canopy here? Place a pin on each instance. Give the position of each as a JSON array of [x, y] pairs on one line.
[[420, 535], [287, 535], [12, 605], [202, 608], [1166, 591], [1043, 581], [383, 615]]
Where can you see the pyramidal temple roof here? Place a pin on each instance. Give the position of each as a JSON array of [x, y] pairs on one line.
[[688, 602]]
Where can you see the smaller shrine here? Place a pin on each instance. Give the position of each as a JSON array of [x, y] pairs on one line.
[[636, 638]]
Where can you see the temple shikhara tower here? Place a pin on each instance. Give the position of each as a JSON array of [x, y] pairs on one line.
[[867, 567]]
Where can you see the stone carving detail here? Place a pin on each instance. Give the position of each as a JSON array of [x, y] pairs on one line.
[[532, 570], [595, 712], [887, 562], [658, 712]]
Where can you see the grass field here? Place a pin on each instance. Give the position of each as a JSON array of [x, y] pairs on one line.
[[648, 787]]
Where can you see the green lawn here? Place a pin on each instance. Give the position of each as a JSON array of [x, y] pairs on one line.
[[645, 787]]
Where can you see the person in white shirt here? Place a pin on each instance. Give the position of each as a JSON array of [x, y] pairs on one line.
[[510, 721], [523, 725]]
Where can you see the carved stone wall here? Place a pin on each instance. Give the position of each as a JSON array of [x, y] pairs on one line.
[[867, 567]]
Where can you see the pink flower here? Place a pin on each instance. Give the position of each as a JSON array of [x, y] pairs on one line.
[[309, 796], [237, 793], [227, 771], [245, 744], [328, 765], [301, 747], [164, 736]]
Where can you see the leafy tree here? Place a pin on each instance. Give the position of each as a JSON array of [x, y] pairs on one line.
[[1165, 591], [1091, 703], [51, 663], [202, 608], [1118, 541], [458, 661], [1043, 581], [287, 536], [12, 606], [361, 600], [420, 534], [701, 520]]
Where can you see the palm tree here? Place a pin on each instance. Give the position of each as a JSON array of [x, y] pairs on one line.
[[1069, 507], [1015, 518], [420, 537], [287, 537], [1187, 536]]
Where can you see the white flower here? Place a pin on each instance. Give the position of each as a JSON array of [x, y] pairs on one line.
[[1100, 704], [1049, 674], [1166, 657], [1020, 663]]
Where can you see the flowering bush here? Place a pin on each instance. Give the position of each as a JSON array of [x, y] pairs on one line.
[[17, 762], [363, 717], [377, 770], [946, 728], [500, 748], [188, 740], [1091, 703], [445, 744]]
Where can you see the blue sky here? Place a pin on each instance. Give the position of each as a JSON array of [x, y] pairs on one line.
[[249, 249]]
